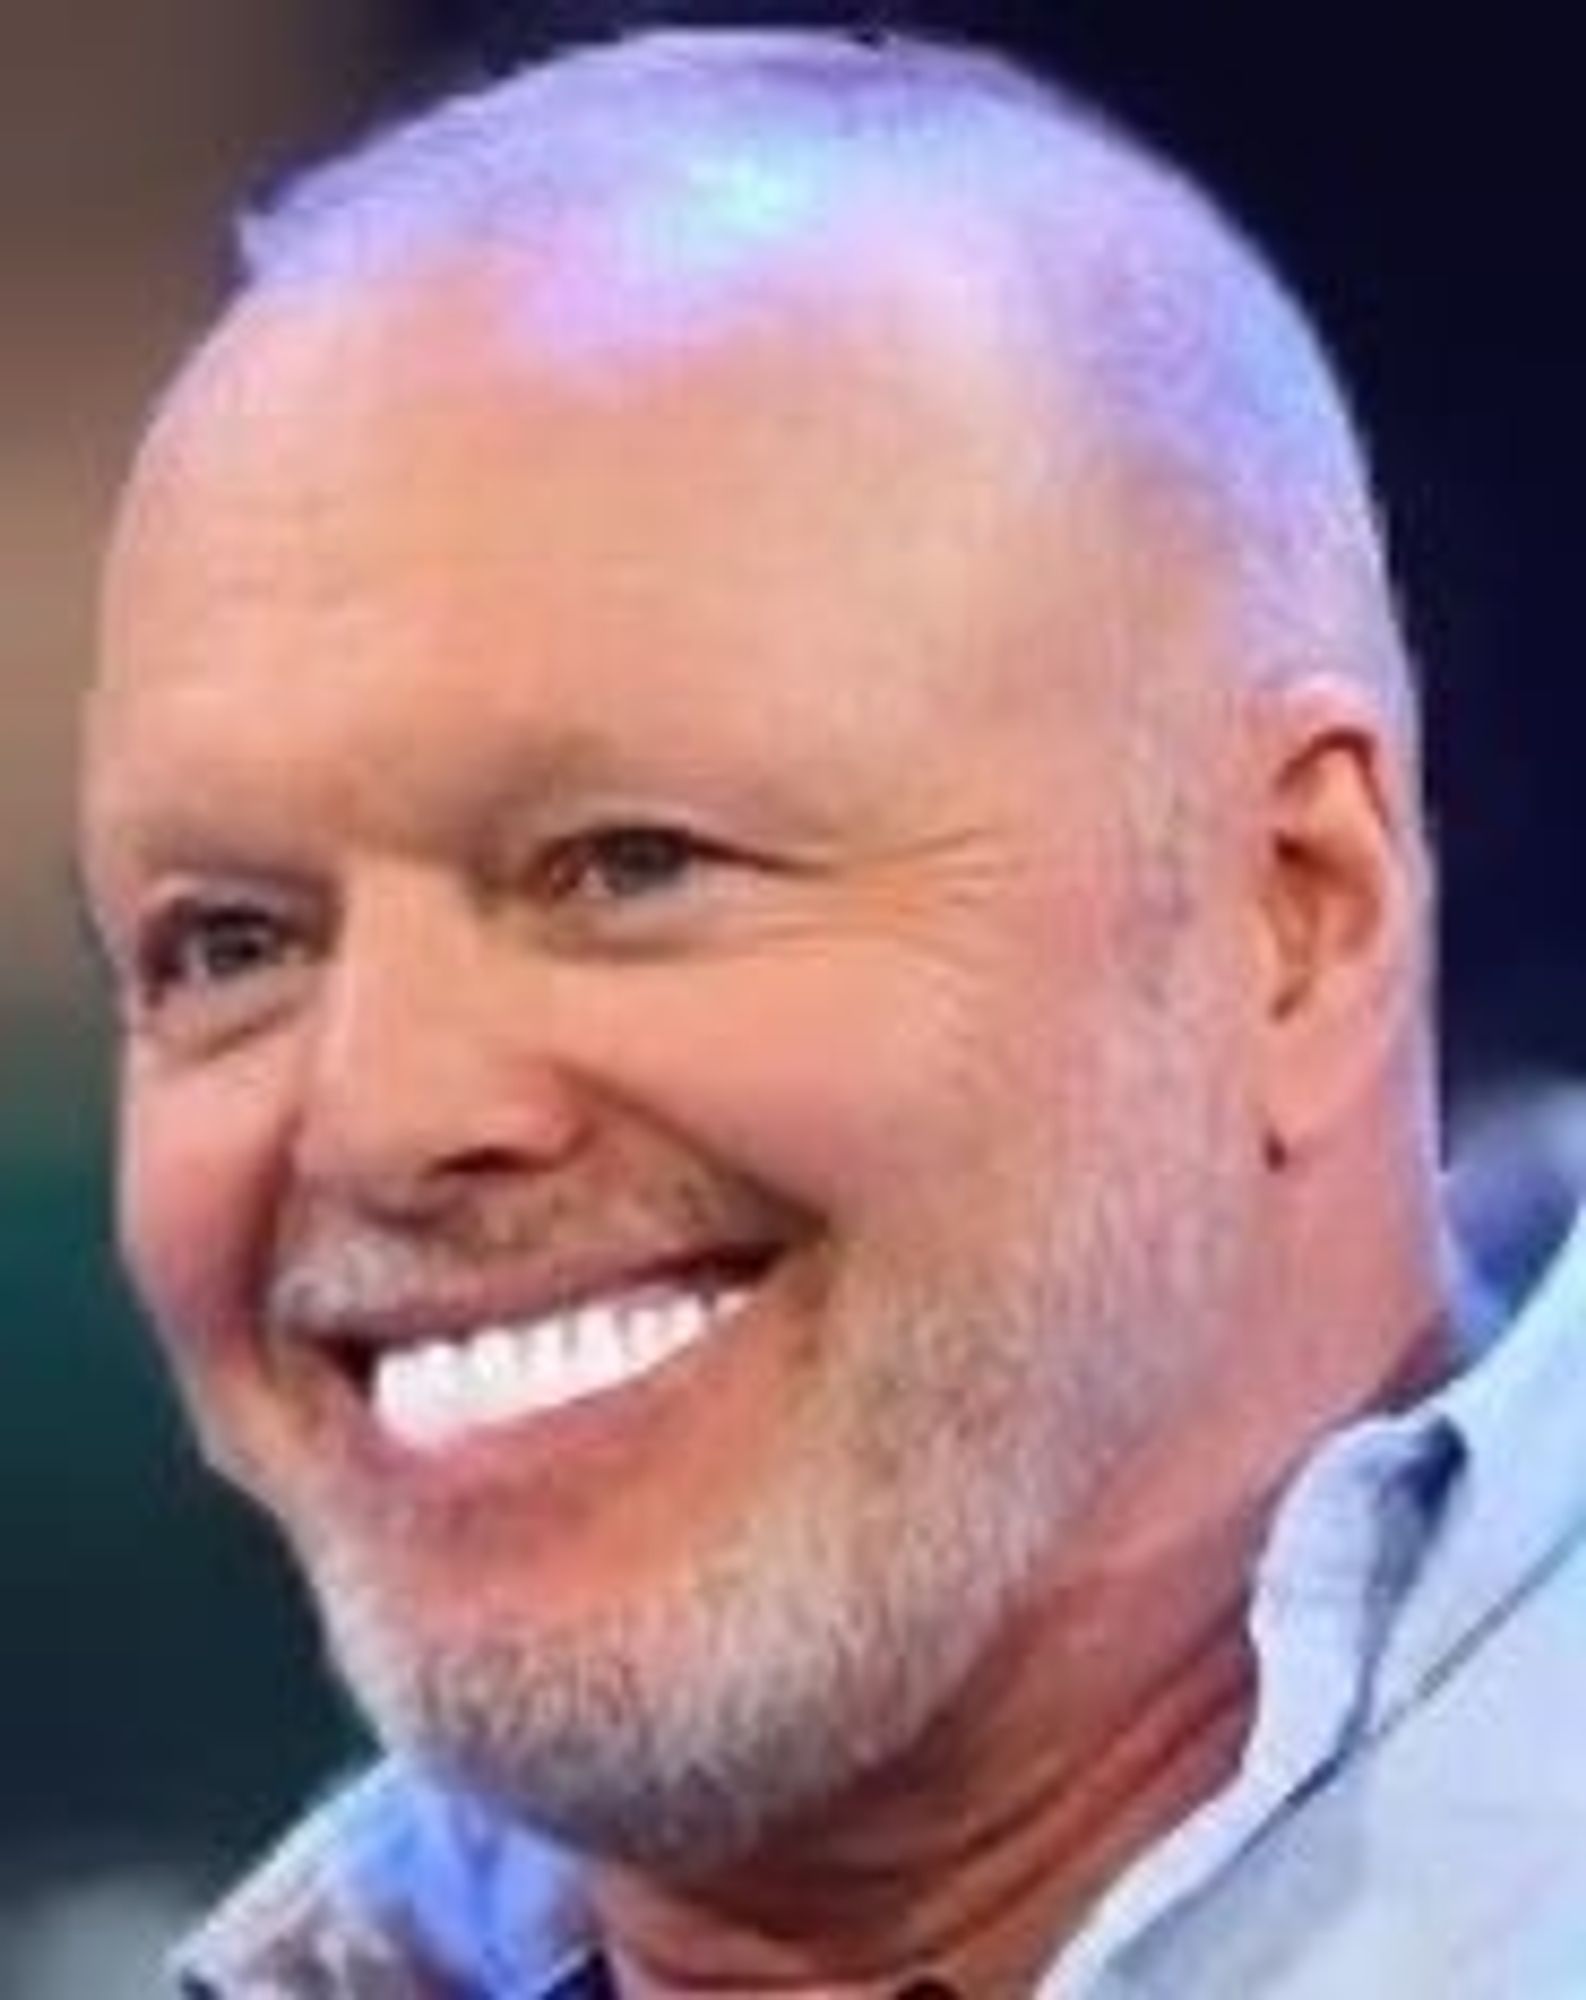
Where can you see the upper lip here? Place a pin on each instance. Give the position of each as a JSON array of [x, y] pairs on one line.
[[451, 1309]]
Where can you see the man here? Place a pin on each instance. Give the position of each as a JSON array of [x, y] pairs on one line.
[[754, 799]]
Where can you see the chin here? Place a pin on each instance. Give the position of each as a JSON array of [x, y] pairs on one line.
[[682, 1728], [587, 1742]]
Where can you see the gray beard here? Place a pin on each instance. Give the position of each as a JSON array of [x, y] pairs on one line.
[[679, 1730], [918, 1496]]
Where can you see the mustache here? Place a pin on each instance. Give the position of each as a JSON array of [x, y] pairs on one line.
[[333, 1270]]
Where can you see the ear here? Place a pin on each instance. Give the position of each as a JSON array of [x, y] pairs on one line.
[[1341, 906]]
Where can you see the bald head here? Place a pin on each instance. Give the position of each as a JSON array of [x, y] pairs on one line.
[[676, 171]]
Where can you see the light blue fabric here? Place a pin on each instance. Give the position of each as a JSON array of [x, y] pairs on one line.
[[1409, 1817]]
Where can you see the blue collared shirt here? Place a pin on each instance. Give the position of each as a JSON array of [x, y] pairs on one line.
[[1408, 1820]]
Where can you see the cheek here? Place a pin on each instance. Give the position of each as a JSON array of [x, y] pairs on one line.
[[192, 1205], [844, 1082]]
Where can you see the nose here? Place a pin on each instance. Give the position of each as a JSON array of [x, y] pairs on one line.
[[431, 1064]]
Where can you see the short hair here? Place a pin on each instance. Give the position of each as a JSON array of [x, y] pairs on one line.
[[1212, 378]]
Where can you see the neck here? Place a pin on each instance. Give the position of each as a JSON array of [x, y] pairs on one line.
[[972, 1860], [1118, 1702]]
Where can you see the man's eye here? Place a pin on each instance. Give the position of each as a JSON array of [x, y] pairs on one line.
[[194, 946], [619, 864]]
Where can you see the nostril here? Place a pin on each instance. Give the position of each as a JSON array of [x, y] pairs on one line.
[[481, 1162]]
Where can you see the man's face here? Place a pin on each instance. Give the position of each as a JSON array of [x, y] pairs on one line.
[[668, 1130]]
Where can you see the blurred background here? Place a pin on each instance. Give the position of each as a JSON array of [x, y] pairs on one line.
[[1414, 171]]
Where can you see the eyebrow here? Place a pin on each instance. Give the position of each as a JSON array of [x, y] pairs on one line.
[[538, 780]]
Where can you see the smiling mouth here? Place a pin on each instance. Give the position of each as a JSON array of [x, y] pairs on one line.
[[428, 1392]]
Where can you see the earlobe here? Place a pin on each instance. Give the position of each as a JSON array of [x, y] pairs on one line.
[[1335, 907]]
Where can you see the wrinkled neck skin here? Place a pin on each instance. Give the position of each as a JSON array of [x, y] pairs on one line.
[[970, 1863], [1120, 1702]]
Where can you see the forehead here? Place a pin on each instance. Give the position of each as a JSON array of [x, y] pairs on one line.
[[848, 478], [853, 351]]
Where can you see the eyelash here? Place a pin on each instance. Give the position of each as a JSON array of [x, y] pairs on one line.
[[187, 921], [565, 871]]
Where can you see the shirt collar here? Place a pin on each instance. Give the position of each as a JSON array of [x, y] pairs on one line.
[[1515, 1411], [1399, 1542], [1347, 1542], [398, 1883]]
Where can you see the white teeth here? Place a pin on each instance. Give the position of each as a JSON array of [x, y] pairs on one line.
[[429, 1396], [594, 1351], [492, 1361], [422, 1400]]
